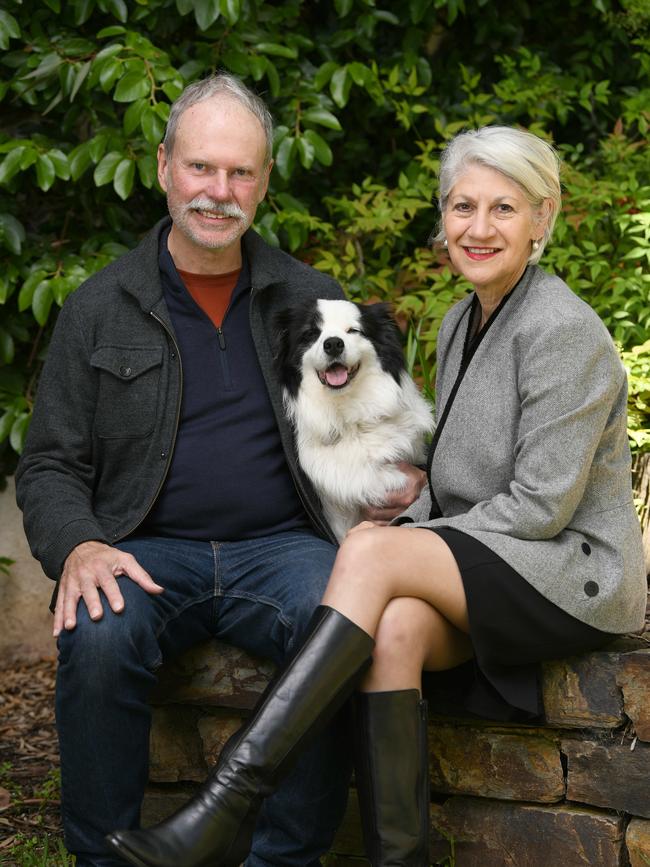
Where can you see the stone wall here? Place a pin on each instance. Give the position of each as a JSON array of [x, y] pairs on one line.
[[574, 792], [25, 621]]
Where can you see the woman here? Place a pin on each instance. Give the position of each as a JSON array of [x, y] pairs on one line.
[[524, 546]]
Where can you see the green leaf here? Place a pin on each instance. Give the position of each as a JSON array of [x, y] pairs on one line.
[[13, 232], [28, 288], [60, 162], [45, 173], [83, 10], [324, 74], [133, 116], [132, 86], [80, 77], [206, 13], [9, 29], [118, 9], [110, 72], [322, 150], [230, 9], [343, 7], [97, 146], [277, 50], [147, 169], [340, 86], [285, 157], [42, 302], [105, 169], [123, 180], [113, 30], [11, 164], [323, 117], [6, 347], [153, 127], [306, 151], [6, 421], [18, 433], [47, 67]]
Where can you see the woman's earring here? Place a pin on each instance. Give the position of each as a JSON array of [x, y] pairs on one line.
[[444, 243], [535, 246]]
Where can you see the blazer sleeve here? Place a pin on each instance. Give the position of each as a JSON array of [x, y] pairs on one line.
[[572, 389]]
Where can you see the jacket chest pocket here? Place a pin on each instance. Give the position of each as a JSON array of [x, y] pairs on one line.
[[129, 384]]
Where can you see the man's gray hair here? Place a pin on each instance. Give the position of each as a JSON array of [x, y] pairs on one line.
[[220, 84], [524, 158]]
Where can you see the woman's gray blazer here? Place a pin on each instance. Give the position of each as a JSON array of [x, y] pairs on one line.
[[534, 460]]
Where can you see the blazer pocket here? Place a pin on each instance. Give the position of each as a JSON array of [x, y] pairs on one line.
[[129, 382]]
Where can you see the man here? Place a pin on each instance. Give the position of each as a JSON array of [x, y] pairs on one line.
[[159, 483]]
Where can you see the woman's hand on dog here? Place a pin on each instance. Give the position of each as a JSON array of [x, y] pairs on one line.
[[397, 501]]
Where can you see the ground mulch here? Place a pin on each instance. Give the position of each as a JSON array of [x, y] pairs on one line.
[[29, 798]]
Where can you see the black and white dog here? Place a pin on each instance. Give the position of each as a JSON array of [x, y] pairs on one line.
[[355, 410]]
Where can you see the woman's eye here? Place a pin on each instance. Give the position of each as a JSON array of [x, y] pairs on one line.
[[505, 209], [462, 206]]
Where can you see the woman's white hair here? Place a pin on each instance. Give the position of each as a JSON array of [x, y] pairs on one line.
[[524, 158]]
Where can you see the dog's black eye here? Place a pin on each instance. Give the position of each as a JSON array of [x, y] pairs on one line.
[[353, 331], [310, 334]]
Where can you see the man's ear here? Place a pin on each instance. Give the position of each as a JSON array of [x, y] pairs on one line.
[[265, 181], [162, 167]]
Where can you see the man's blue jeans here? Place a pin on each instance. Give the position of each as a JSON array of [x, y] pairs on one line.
[[258, 595]]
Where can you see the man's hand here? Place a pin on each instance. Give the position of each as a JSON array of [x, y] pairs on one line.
[[398, 501], [89, 567]]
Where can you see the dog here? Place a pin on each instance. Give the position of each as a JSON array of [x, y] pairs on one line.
[[355, 410]]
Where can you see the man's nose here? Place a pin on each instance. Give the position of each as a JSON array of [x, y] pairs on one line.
[[218, 187]]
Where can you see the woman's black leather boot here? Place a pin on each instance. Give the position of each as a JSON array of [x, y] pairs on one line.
[[214, 829], [392, 777]]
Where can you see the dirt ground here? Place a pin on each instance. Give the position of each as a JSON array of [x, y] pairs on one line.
[[29, 791]]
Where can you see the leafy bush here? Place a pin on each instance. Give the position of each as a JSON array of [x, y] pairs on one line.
[[364, 98]]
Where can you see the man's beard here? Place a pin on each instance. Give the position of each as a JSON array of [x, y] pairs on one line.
[[180, 214]]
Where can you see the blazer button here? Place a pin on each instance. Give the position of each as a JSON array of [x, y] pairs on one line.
[[586, 548], [125, 371], [591, 588]]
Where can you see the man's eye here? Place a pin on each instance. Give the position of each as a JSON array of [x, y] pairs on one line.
[[198, 166]]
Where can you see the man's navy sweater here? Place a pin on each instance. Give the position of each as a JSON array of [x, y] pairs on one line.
[[228, 477]]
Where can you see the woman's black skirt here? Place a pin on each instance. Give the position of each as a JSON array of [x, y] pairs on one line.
[[512, 628]]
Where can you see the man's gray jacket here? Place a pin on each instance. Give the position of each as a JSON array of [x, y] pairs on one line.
[[105, 422], [534, 461]]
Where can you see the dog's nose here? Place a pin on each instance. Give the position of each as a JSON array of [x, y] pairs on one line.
[[333, 346]]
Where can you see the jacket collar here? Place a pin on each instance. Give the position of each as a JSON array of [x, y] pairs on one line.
[[139, 274]]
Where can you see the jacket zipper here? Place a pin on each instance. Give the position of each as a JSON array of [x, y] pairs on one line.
[[170, 451]]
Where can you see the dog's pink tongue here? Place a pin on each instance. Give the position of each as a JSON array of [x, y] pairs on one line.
[[336, 375]]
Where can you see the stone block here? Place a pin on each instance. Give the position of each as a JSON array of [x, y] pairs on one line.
[[488, 833], [213, 674], [582, 691], [161, 801], [176, 751], [609, 774], [214, 731], [496, 762], [637, 840], [634, 680]]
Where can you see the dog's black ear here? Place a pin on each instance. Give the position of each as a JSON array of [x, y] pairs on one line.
[[380, 327]]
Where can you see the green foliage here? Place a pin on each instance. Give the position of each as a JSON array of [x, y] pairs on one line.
[[637, 364], [363, 96]]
